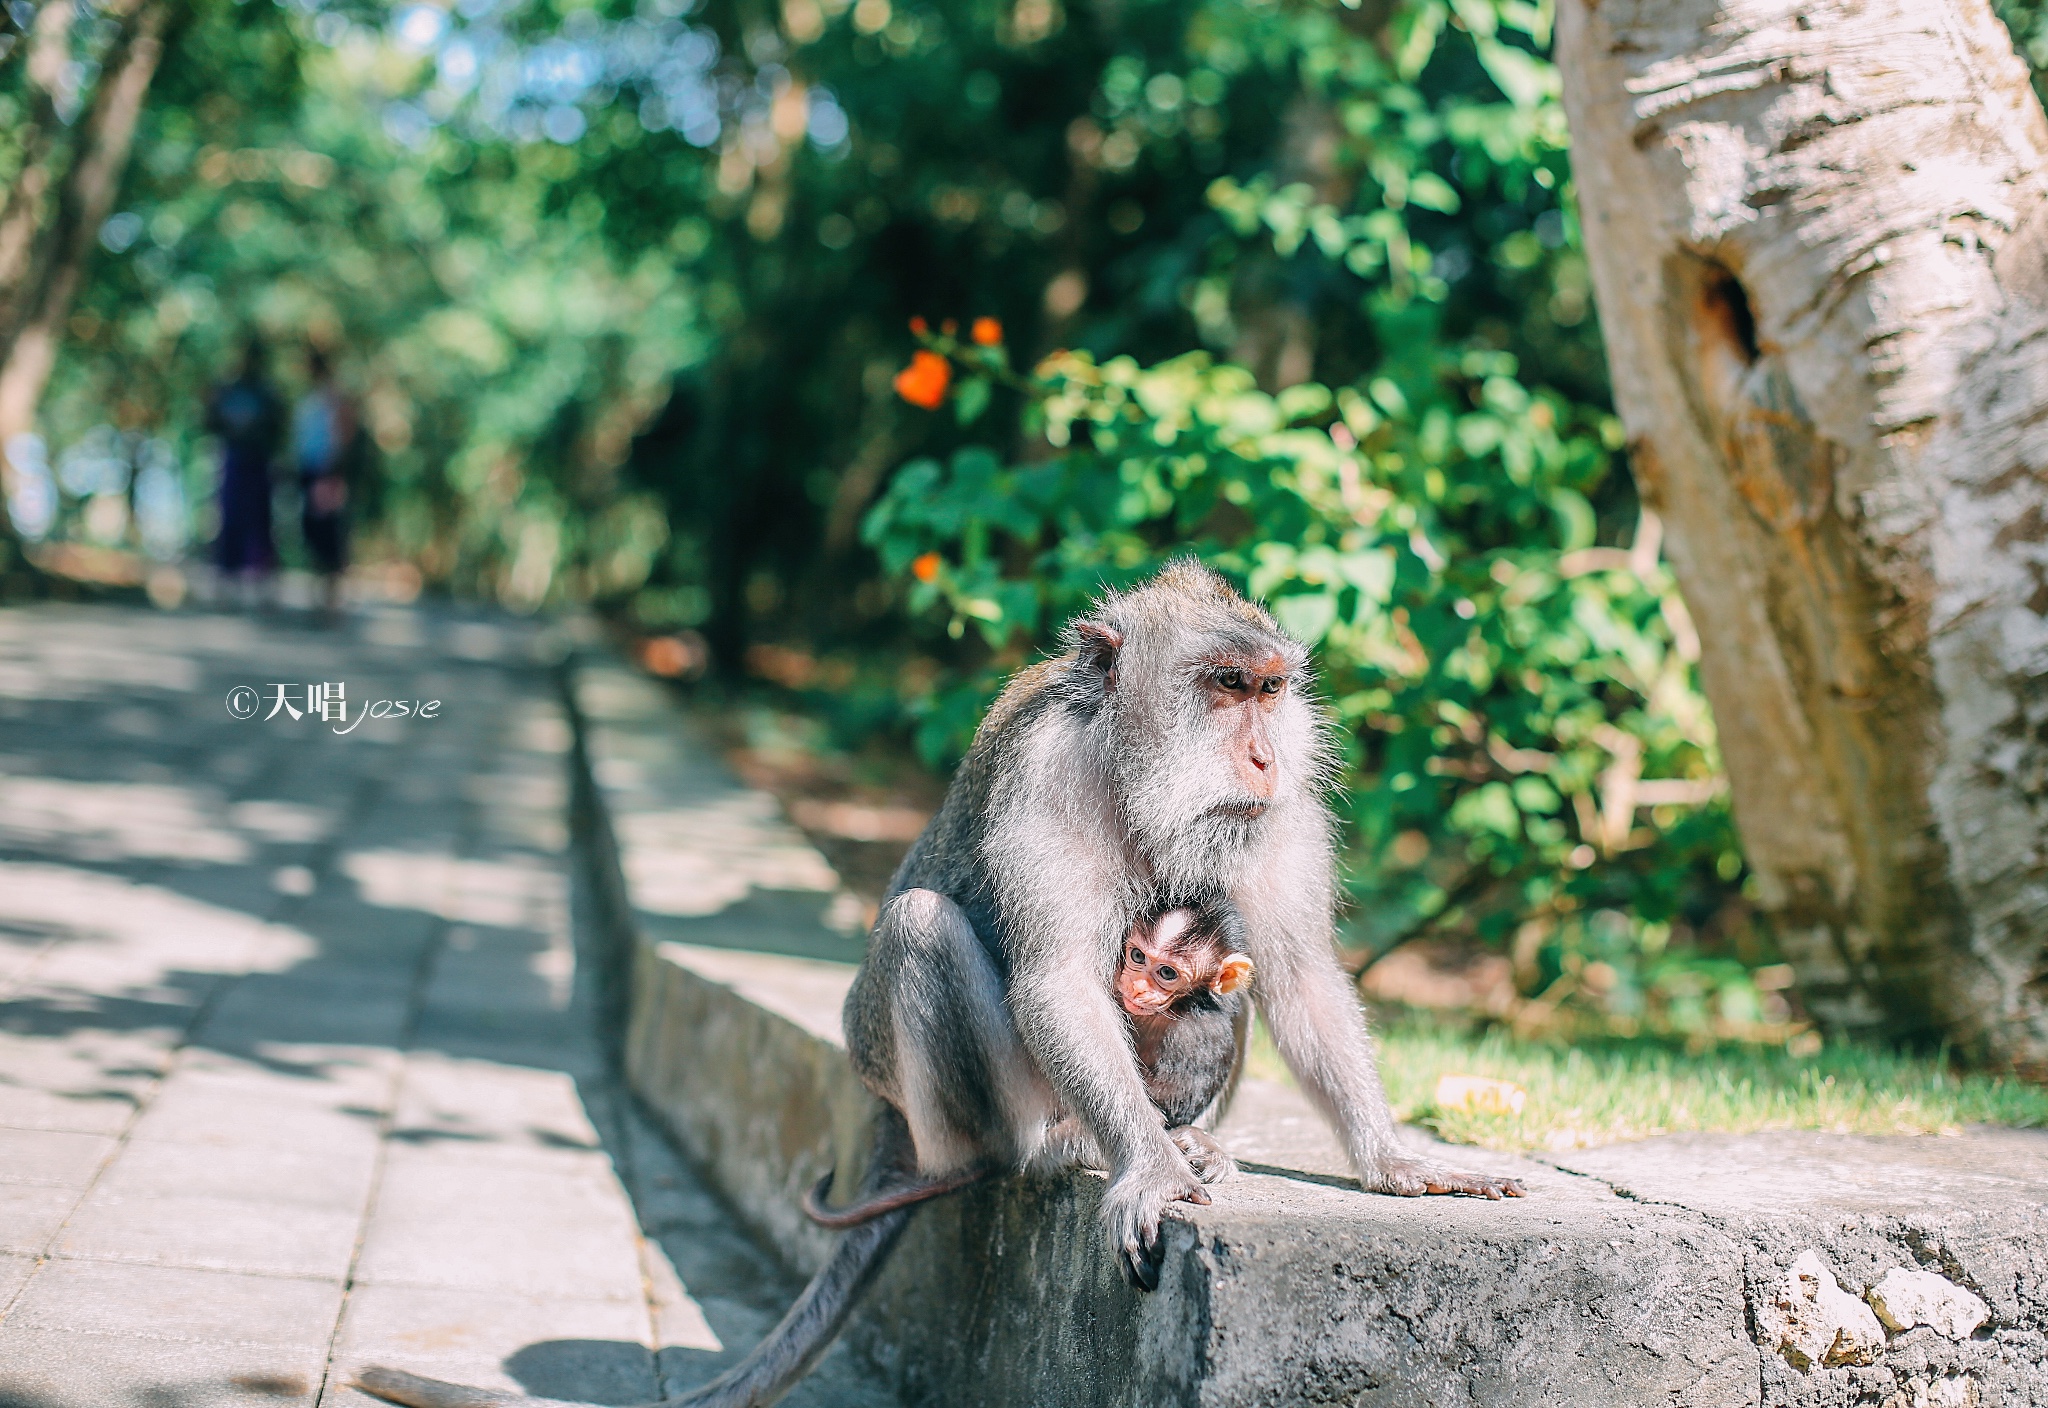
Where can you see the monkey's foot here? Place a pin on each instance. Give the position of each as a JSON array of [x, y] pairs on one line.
[[1415, 1178], [1204, 1155], [1068, 1144]]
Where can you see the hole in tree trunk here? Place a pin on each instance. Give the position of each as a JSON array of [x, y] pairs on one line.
[[1725, 314], [1719, 338]]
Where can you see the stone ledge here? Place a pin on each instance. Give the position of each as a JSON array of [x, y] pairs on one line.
[[1635, 1274]]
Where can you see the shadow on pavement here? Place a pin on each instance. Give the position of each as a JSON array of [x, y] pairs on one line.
[[298, 1062]]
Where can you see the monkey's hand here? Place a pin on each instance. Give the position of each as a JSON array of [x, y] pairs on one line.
[[1204, 1155], [1408, 1177], [1133, 1206]]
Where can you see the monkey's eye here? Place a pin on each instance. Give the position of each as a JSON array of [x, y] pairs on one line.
[[1272, 684], [1232, 680], [1166, 973], [1137, 958]]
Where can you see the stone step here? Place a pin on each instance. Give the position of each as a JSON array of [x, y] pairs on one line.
[[1705, 1271]]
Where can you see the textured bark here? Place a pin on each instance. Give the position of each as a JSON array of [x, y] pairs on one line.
[[1819, 238], [30, 337]]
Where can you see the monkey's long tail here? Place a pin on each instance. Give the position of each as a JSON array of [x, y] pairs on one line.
[[768, 1372], [888, 1200]]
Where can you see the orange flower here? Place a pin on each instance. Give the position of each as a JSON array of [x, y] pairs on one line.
[[926, 567], [986, 331], [920, 326], [949, 327], [924, 381]]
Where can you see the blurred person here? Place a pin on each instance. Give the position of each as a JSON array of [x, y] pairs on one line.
[[249, 419], [323, 447]]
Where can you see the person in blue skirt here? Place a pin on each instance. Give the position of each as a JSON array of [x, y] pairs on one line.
[[249, 419]]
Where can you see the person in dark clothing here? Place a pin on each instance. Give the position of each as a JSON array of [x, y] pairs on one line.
[[249, 419], [323, 445]]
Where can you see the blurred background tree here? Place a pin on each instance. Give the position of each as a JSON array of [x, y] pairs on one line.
[[624, 288]]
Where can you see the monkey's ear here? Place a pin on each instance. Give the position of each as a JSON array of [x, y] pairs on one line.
[[1098, 643], [1234, 974]]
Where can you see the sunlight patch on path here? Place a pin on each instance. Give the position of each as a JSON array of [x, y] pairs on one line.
[[139, 935], [108, 821]]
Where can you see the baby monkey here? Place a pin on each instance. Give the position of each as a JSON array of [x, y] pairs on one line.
[[1180, 982], [1178, 978]]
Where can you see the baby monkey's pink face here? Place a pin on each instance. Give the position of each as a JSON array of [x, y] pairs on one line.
[[1170, 959]]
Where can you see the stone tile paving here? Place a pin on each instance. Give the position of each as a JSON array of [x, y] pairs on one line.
[[298, 1067]]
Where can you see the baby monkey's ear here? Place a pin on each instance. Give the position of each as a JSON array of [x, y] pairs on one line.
[[1234, 974]]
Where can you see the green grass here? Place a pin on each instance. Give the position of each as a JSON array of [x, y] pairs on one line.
[[1607, 1092]]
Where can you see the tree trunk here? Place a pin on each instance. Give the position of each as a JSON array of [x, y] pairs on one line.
[[29, 341], [1819, 238], [21, 207]]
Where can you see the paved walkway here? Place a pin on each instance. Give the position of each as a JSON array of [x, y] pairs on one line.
[[297, 1065]]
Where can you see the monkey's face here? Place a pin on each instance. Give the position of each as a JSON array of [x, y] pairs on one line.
[[1202, 710], [1171, 960], [1243, 692], [1151, 980], [1235, 740]]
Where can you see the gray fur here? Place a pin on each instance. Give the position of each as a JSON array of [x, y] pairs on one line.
[[1194, 1061], [1103, 786]]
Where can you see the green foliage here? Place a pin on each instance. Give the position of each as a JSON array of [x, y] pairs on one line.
[[1508, 691], [1528, 754], [503, 356], [621, 291]]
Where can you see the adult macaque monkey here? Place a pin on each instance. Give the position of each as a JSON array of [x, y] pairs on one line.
[[1169, 757]]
